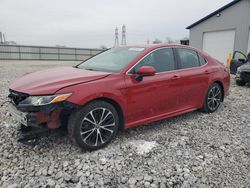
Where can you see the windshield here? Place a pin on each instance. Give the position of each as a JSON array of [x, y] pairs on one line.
[[113, 60]]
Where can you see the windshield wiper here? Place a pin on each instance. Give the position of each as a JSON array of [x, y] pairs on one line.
[[90, 69]]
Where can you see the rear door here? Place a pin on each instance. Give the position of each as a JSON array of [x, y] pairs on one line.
[[238, 59], [194, 78]]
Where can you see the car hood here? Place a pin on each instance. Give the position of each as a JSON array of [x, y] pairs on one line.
[[51, 80], [245, 67]]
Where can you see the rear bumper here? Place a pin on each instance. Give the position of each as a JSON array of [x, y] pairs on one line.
[[226, 84], [35, 116]]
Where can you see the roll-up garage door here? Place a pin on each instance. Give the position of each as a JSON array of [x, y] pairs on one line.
[[219, 44], [248, 49]]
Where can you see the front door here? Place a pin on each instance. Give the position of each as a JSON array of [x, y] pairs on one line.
[[153, 95], [238, 59]]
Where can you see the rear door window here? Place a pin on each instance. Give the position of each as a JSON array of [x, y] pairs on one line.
[[188, 58]]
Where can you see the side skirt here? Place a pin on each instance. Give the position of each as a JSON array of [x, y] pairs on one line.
[[158, 117]]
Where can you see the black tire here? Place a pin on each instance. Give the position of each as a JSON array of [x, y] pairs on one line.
[[240, 82], [93, 126], [213, 98], [24, 128]]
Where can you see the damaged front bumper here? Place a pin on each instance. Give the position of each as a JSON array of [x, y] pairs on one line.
[[50, 115]]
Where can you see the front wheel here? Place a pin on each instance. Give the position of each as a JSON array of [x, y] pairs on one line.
[[213, 98], [24, 128], [93, 126]]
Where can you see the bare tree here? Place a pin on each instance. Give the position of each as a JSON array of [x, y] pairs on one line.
[[157, 41], [169, 40], [103, 47]]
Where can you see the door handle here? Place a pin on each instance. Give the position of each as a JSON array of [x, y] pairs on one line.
[[206, 71], [175, 77]]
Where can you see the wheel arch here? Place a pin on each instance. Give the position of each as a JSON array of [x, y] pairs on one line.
[[222, 87], [116, 105]]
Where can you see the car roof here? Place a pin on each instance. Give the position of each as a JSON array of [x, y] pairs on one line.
[[150, 47], [155, 46]]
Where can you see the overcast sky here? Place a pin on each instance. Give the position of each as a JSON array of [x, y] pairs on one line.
[[91, 23]]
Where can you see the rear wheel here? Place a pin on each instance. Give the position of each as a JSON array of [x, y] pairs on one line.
[[213, 98], [93, 126]]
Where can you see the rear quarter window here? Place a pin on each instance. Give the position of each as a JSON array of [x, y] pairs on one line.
[[202, 60]]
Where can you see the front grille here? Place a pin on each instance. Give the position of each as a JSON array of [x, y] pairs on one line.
[[247, 73], [17, 97]]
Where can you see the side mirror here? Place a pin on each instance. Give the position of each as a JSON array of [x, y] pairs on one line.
[[144, 71]]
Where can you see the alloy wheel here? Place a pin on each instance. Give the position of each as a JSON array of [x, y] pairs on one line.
[[97, 127], [214, 98]]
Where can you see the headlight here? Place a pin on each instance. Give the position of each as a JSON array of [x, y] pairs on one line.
[[44, 100]]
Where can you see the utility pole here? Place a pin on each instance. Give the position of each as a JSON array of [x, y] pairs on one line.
[[1, 38], [4, 40]]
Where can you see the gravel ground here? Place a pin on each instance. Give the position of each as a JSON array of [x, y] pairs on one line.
[[192, 150]]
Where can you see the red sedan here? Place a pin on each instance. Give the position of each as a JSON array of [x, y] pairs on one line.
[[120, 88]]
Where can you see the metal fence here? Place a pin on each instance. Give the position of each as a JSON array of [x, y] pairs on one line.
[[20, 52]]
